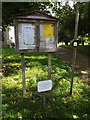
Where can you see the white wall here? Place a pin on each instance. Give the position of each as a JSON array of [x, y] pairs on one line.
[[11, 34]]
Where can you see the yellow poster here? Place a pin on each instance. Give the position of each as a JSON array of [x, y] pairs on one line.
[[47, 30]]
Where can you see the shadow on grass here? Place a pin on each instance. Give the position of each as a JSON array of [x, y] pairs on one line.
[[33, 60], [10, 60], [10, 70], [58, 102], [16, 107]]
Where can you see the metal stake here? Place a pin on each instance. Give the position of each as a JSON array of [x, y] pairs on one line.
[[74, 49], [49, 76], [73, 68], [44, 99]]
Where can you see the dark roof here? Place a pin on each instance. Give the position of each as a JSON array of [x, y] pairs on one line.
[[35, 13]]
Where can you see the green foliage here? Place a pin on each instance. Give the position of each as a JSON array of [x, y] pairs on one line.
[[84, 38], [66, 17], [84, 24], [9, 9], [79, 38], [65, 13], [58, 102]]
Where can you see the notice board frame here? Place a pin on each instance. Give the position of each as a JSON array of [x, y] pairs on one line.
[[37, 23]]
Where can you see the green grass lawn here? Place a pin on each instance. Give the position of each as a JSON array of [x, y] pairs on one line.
[[82, 49], [58, 102]]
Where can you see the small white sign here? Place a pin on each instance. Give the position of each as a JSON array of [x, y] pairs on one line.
[[75, 44], [44, 85]]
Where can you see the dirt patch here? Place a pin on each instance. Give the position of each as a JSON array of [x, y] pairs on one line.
[[82, 62]]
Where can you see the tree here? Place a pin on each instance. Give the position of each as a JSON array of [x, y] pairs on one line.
[[65, 13], [66, 17], [84, 25], [9, 9]]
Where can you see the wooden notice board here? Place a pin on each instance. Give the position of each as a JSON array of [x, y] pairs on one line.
[[36, 32]]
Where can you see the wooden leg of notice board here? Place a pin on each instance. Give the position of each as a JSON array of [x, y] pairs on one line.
[[23, 74], [49, 66]]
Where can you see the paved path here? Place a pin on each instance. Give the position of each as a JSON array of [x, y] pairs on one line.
[[82, 62]]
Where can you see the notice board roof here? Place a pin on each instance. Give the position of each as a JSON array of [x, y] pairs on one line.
[[35, 15]]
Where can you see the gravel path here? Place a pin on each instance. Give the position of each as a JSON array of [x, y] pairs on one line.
[[82, 62]]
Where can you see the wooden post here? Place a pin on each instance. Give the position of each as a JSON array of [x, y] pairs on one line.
[[49, 65], [23, 74], [74, 49]]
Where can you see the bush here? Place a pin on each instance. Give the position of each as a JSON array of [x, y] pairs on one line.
[[83, 39]]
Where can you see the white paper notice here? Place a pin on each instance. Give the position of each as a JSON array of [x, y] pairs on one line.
[[41, 30], [44, 85], [28, 34], [50, 43]]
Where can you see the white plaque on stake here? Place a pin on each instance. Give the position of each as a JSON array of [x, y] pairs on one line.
[[44, 85], [75, 44]]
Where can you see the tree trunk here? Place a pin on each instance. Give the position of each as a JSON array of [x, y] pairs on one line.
[[66, 43], [83, 43], [5, 37]]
